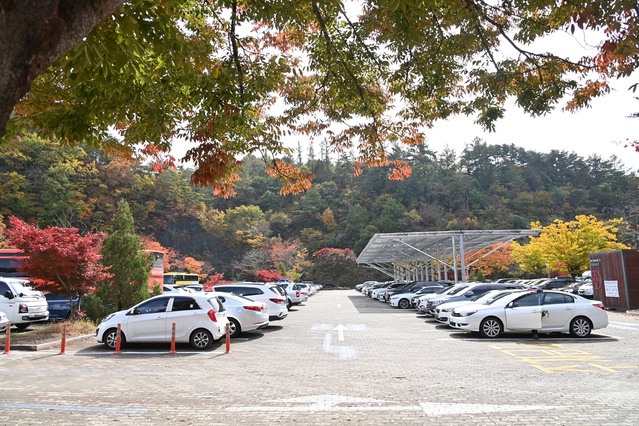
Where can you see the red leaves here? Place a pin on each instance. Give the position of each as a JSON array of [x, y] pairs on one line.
[[267, 275], [59, 259], [161, 161]]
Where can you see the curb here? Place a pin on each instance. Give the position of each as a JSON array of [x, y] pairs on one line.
[[633, 313], [42, 346]]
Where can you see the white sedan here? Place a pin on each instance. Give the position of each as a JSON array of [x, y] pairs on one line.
[[541, 311], [199, 319], [243, 313]]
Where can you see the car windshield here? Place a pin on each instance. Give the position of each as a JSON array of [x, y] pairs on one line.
[[458, 289], [25, 288]]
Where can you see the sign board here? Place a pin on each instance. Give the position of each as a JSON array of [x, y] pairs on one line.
[[611, 288]]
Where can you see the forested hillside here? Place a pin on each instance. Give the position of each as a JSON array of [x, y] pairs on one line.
[[483, 187]]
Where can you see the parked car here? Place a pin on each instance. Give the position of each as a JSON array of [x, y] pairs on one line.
[[272, 295], [552, 284], [243, 313], [60, 306], [572, 287], [199, 319], [471, 290], [293, 293], [378, 293], [443, 311], [586, 290], [170, 288], [410, 287], [4, 320], [403, 299], [426, 291], [422, 301], [310, 289], [544, 311], [22, 304]]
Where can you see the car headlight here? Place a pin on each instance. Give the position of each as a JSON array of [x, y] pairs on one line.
[[466, 314], [108, 317], [436, 302]]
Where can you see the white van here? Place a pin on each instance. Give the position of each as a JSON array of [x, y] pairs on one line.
[[22, 303]]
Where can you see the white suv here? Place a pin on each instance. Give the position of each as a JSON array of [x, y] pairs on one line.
[[293, 293], [270, 294]]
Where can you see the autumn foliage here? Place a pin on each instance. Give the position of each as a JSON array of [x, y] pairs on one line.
[[58, 259], [267, 275]]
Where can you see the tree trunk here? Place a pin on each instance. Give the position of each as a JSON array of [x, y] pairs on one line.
[[36, 33]]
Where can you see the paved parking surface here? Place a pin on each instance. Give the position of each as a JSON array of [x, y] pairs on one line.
[[340, 359]]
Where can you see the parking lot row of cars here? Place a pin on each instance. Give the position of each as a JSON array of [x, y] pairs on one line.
[[492, 309], [202, 317]]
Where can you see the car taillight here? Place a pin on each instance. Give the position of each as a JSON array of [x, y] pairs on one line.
[[254, 308], [599, 305], [23, 308], [277, 300], [211, 314], [297, 294]]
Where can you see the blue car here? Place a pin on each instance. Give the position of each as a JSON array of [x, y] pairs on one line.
[[59, 306]]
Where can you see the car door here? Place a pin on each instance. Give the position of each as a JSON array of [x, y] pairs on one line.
[[524, 313], [147, 321], [558, 309], [185, 313]]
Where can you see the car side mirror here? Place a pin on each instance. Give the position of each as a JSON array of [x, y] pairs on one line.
[[134, 311], [8, 294], [511, 305], [469, 293]]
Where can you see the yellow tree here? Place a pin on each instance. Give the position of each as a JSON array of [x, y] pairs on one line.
[[566, 246]]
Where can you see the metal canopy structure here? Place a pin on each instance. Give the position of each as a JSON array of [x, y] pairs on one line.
[[434, 256]]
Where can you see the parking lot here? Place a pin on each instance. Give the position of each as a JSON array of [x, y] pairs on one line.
[[342, 358]]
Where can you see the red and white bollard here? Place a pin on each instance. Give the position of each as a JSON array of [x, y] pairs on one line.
[[172, 351], [63, 342], [7, 340], [228, 338], [118, 340]]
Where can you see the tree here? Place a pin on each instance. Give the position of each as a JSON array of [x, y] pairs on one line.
[[566, 246], [123, 252], [59, 260], [189, 68]]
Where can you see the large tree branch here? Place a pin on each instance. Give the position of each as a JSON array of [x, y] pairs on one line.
[[36, 33]]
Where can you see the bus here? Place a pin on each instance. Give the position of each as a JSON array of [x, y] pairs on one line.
[[181, 278], [10, 262]]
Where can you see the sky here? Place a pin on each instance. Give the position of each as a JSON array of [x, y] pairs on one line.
[[603, 130]]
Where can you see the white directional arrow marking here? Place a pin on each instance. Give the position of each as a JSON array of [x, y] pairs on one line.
[[340, 331]]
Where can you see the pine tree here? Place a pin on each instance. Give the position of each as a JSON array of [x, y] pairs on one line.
[[122, 251]]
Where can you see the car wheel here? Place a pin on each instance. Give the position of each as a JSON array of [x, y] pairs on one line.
[[23, 326], [580, 327], [491, 327], [235, 328], [201, 339], [404, 304], [110, 336]]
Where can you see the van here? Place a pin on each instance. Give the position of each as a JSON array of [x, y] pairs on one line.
[[22, 304]]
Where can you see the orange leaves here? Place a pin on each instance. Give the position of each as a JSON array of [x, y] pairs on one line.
[[161, 160], [225, 188], [295, 181], [401, 169]]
